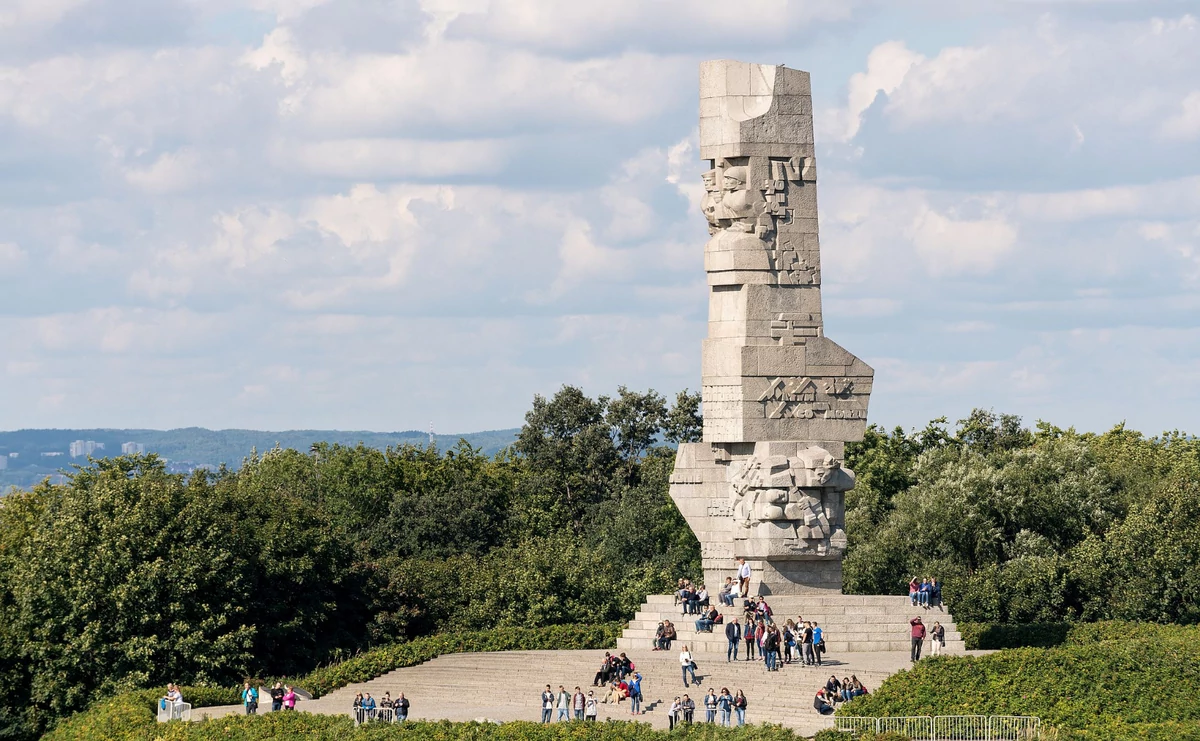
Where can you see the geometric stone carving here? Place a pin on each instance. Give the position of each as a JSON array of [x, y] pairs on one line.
[[780, 400]]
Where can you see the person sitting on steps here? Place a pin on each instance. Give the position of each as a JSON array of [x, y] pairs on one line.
[[821, 705]]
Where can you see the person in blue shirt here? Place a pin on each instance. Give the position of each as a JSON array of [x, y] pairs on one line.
[[250, 699], [368, 706], [635, 694], [818, 641], [725, 705], [923, 593]]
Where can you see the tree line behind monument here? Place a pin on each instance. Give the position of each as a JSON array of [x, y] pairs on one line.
[[129, 576]]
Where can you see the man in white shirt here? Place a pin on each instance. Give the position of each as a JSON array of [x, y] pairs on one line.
[[743, 578]]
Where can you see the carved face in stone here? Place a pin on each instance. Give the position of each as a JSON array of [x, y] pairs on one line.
[[735, 179]]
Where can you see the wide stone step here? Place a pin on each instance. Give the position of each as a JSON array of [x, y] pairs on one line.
[[811, 600], [832, 646]]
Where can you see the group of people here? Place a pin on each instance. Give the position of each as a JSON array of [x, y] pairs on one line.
[[282, 698], [925, 593], [683, 709], [663, 635], [800, 641], [618, 676], [936, 635], [366, 709], [571, 706], [836, 691]]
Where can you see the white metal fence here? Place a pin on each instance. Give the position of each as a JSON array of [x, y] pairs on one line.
[[168, 711], [948, 727], [380, 715]]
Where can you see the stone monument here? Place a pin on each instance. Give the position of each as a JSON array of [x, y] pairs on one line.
[[781, 400]]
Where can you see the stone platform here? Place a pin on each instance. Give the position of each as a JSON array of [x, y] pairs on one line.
[[868, 637], [851, 623]]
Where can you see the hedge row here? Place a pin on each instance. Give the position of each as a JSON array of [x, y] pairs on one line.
[[302, 726], [993, 636], [131, 715], [1143, 732], [1103, 674]]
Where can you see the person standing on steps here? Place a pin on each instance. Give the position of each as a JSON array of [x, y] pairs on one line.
[[250, 699], [806, 640], [547, 704], [818, 641], [357, 707], [591, 708], [369, 706], [578, 701], [688, 666], [635, 694], [733, 634], [710, 706], [739, 706], [771, 648], [689, 709], [401, 707], [937, 639], [748, 636], [725, 705], [563, 704], [743, 578], [673, 714], [277, 697], [918, 638]]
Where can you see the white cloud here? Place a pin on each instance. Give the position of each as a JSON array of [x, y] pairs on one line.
[[887, 66], [171, 172], [1185, 124], [12, 259], [950, 246]]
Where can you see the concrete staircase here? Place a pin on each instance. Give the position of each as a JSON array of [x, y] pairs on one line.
[[851, 623]]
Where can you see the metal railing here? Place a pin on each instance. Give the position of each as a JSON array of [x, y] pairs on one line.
[[948, 727], [168, 711], [378, 715]]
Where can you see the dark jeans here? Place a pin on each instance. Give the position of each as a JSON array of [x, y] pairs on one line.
[[731, 653], [704, 625], [276, 705], [749, 649], [809, 657], [916, 648]]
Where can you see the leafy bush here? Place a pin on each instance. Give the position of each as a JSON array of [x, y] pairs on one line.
[[302, 726], [1149, 674], [1140, 732], [993, 636]]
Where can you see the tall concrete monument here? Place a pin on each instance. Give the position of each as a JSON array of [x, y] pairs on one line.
[[781, 400]]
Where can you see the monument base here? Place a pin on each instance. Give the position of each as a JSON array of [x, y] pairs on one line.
[[700, 488]]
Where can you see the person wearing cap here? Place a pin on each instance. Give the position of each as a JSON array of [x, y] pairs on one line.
[[918, 637]]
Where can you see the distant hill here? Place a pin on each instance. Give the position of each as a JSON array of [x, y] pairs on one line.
[[42, 453]]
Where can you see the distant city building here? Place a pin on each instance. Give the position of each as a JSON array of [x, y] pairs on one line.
[[132, 449], [3, 462], [81, 448]]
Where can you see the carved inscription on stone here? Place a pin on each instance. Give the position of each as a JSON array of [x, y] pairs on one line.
[[798, 398], [720, 509], [792, 329]]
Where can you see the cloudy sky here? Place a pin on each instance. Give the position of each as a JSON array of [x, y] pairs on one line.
[[377, 214]]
